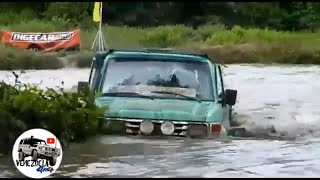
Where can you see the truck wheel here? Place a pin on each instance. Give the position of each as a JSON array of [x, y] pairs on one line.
[[21, 156], [34, 155], [53, 161]]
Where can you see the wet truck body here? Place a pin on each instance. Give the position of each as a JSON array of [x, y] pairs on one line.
[[155, 92]]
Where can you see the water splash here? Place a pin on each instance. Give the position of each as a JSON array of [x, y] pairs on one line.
[[279, 97]]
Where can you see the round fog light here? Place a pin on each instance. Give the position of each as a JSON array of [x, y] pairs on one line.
[[146, 127], [167, 128]]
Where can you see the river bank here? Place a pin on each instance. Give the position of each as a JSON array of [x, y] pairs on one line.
[[236, 45], [72, 117]]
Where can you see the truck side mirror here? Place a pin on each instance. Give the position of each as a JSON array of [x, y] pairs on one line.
[[83, 86], [231, 97]]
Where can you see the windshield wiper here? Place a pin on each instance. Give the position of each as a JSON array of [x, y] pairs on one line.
[[126, 94], [177, 94]]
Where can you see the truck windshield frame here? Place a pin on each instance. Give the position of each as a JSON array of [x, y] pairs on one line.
[[186, 74]]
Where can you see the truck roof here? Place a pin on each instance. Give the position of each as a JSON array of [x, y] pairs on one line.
[[33, 138], [156, 53]]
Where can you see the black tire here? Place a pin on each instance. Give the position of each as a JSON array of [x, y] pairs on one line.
[[53, 161], [34, 155], [21, 156]]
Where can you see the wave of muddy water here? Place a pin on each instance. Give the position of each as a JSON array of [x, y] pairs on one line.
[[286, 97]]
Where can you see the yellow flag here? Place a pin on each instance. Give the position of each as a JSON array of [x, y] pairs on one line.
[[96, 11]]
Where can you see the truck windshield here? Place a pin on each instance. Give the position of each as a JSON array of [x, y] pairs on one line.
[[38, 141], [149, 76]]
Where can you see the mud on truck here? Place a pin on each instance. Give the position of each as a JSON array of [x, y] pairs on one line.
[[156, 92]]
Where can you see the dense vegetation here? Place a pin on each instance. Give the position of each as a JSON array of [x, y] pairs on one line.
[[274, 15], [247, 32], [72, 117]]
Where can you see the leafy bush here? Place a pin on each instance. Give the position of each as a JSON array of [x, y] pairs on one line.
[[70, 116], [204, 32], [238, 35], [24, 15], [81, 60], [165, 36], [13, 58], [76, 16], [263, 53]]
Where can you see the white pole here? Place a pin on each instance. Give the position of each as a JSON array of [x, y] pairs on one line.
[[104, 41], [94, 42], [99, 39]]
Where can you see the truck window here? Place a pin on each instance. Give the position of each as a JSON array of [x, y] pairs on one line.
[[95, 76], [27, 141], [220, 88]]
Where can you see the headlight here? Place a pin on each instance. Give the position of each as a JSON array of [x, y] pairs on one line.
[[146, 127], [197, 130], [167, 128]]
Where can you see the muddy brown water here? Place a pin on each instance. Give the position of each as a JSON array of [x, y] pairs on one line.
[[286, 97]]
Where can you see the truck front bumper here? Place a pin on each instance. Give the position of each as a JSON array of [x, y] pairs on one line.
[[47, 154], [180, 128]]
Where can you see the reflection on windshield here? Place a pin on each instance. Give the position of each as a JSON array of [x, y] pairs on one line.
[[41, 142], [38, 141], [171, 74]]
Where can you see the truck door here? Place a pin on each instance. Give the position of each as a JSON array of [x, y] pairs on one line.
[[26, 146], [21, 145]]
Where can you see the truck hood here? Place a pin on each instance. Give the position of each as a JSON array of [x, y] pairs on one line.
[[158, 109]]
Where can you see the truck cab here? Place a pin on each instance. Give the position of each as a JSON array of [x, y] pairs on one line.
[[160, 92]]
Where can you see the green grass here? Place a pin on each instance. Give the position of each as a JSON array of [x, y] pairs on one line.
[[237, 45], [13, 58]]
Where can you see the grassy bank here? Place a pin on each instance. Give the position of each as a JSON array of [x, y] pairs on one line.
[[72, 117], [237, 45]]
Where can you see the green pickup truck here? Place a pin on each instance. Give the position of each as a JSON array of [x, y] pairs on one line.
[[156, 92]]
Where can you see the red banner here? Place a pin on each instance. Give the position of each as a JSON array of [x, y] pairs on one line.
[[45, 42]]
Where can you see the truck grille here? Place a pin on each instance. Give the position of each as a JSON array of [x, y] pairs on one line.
[[50, 149], [181, 128]]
